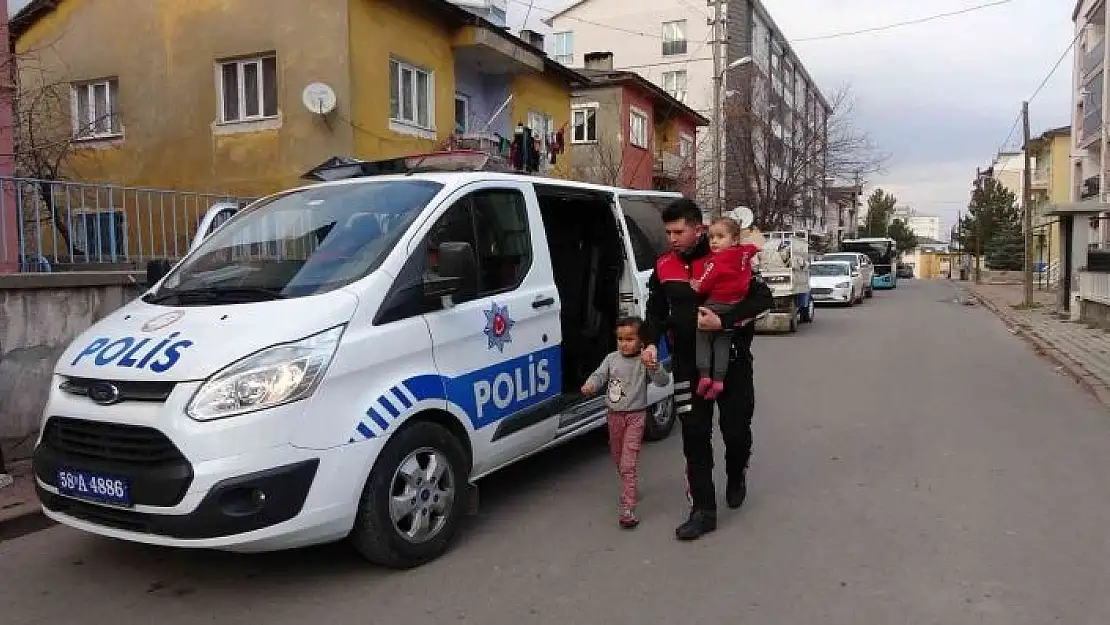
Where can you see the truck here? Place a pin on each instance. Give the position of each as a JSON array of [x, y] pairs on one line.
[[784, 266]]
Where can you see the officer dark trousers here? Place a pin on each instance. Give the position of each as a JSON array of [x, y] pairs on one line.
[[736, 406]]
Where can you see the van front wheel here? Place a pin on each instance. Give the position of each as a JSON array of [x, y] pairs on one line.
[[409, 510]]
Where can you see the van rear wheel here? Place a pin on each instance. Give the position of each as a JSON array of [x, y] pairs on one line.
[[412, 501]]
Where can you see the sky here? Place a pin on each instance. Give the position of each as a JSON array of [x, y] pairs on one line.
[[941, 96]]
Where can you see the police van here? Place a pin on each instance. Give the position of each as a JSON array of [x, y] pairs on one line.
[[346, 360]]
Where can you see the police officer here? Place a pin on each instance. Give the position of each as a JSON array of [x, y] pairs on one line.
[[673, 308]]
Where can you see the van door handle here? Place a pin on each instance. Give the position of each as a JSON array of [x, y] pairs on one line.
[[543, 301]]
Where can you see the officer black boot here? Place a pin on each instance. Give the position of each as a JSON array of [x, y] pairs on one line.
[[737, 491], [701, 522]]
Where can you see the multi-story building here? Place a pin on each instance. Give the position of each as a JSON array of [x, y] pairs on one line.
[[627, 131], [246, 97], [924, 226], [1050, 184], [774, 118]]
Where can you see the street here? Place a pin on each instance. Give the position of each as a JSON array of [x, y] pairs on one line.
[[914, 463]]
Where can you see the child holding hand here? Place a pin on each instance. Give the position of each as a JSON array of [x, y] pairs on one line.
[[626, 378]]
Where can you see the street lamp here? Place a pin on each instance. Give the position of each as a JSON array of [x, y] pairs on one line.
[[717, 130]]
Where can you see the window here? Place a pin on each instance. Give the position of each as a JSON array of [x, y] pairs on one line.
[[563, 47], [462, 113], [674, 38], [685, 146], [99, 234], [410, 94], [584, 122], [543, 126], [248, 89], [637, 128], [674, 83], [95, 112], [495, 223]]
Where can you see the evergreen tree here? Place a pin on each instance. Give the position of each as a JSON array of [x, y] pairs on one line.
[[993, 208], [903, 235], [880, 206]]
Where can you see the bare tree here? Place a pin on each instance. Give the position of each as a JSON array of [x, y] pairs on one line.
[[45, 131], [600, 162], [777, 162]]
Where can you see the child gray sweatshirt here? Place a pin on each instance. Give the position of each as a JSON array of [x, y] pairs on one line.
[[626, 379]]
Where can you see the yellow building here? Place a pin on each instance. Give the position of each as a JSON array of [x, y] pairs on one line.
[[1050, 183], [242, 97]]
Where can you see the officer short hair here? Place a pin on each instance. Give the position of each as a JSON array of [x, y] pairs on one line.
[[682, 209]]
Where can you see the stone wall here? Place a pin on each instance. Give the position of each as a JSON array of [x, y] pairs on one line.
[[39, 315]]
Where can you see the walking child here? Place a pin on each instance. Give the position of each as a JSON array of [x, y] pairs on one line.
[[626, 378], [724, 283]]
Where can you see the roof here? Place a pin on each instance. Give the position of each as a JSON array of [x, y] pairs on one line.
[[607, 78], [569, 8], [22, 21]]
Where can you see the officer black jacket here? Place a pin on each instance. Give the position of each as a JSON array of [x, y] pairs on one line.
[[672, 305]]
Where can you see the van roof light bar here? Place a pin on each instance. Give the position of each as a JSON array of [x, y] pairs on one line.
[[344, 168]]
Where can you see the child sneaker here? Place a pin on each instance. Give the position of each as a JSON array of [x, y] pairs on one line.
[[628, 519]]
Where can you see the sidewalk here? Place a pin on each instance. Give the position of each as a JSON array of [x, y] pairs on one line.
[[19, 507], [1080, 350]]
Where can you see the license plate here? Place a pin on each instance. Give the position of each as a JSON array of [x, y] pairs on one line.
[[110, 489]]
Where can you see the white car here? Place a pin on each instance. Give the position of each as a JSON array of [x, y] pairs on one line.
[[861, 263], [347, 360], [833, 281]]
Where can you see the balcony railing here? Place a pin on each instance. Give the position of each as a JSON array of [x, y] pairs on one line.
[[1092, 124], [1093, 59]]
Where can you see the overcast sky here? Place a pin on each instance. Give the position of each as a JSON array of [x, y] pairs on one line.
[[940, 96]]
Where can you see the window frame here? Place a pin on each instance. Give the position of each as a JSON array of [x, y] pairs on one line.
[[88, 125], [563, 54], [397, 65], [584, 109], [240, 64], [633, 114], [675, 45], [465, 100], [675, 74]]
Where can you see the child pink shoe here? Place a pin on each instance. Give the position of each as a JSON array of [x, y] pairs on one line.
[[715, 389], [703, 386], [628, 519]]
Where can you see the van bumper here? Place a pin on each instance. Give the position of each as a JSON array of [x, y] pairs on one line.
[[278, 499]]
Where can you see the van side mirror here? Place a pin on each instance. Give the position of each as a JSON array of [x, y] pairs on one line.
[[457, 273]]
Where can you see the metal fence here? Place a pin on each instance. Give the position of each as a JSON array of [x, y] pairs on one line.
[[74, 226]]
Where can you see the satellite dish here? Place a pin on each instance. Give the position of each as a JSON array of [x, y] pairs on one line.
[[319, 98], [743, 215]]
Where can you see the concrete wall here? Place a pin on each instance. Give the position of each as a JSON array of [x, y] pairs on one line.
[[39, 315]]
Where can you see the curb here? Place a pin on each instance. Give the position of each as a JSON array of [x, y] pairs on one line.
[[1046, 349], [19, 525]]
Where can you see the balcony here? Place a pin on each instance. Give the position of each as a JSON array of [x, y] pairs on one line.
[[1041, 179], [1092, 60], [477, 46], [671, 165], [1091, 127]]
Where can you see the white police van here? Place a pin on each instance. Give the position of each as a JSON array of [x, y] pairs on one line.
[[346, 360]]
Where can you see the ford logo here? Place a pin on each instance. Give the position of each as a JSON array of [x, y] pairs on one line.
[[104, 393]]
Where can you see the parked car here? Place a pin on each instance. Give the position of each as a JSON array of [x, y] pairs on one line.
[[860, 263], [834, 282], [904, 271]]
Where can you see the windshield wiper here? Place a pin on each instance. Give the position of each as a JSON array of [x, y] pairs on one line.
[[217, 294]]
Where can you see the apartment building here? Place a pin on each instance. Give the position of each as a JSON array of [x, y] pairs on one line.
[[924, 226], [774, 117]]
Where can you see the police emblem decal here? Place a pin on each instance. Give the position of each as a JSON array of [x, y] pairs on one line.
[[498, 324]]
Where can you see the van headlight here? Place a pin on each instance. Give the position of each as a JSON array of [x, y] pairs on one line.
[[276, 375]]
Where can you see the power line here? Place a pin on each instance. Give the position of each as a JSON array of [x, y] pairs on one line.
[[920, 20], [529, 13], [835, 35]]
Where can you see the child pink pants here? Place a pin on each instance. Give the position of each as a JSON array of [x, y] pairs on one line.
[[626, 433]]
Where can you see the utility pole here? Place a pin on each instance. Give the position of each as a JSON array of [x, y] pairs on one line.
[[718, 166], [1027, 209]]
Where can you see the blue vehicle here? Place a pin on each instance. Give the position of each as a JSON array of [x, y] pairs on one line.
[[883, 252]]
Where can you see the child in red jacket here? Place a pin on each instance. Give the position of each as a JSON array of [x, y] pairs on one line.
[[724, 283]]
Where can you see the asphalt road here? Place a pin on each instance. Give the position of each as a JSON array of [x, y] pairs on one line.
[[915, 463]]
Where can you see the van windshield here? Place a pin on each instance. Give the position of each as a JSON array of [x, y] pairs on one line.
[[297, 244]]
